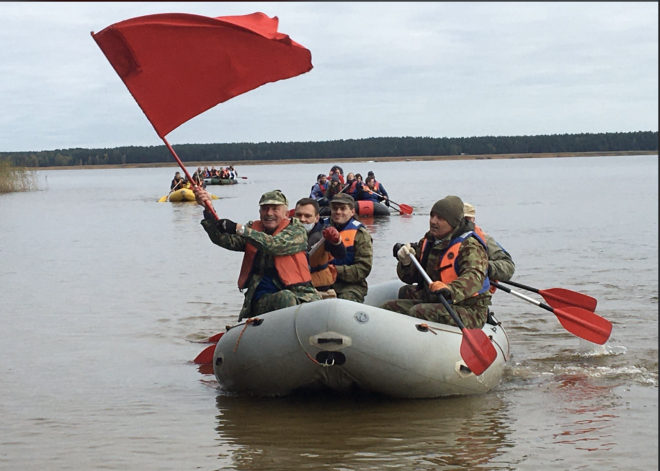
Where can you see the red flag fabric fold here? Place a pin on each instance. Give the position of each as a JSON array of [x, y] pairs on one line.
[[178, 65]]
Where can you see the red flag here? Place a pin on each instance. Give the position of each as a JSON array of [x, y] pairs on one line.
[[177, 65]]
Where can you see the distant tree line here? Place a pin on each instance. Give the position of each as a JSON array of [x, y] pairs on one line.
[[342, 149]]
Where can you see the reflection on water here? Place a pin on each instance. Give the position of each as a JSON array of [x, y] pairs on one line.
[[362, 432], [585, 406]]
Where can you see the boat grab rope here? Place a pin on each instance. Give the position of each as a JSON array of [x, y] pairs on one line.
[[429, 328], [295, 329], [507, 354], [249, 321]]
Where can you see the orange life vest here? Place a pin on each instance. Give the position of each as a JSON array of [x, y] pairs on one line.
[[348, 238], [323, 274], [449, 261], [291, 269]]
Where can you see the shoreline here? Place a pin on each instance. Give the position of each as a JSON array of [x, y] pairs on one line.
[[357, 159]]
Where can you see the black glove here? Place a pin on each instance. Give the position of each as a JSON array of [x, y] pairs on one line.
[[208, 216], [395, 249], [225, 226], [387, 203]]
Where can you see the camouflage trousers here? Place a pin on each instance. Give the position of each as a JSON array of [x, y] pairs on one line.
[[273, 301], [417, 304], [351, 296]]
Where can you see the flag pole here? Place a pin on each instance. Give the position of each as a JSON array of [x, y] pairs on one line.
[[208, 203]]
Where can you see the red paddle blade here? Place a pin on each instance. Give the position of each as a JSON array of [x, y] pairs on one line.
[[215, 338], [206, 357], [403, 208], [477, 351], [561, 298], [584, 324]]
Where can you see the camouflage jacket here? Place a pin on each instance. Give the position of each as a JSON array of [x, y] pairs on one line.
[[500, 263], [472, 268], [354, 277], [291, 240]]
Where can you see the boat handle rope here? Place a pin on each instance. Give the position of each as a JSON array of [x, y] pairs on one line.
[[295, 328], [249, 321], [428, 328], [506, 355]]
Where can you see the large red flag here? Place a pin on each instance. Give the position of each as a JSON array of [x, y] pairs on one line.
[[177, 65]]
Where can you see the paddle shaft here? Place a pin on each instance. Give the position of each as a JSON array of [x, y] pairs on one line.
[[316, 246], [402, 208], [521, 296], [442, 298], [207, 203], [477, 350], [521, 286]]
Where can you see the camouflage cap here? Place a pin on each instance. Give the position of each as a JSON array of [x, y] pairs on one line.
[[342, 198], [469, 211], [273, 197]]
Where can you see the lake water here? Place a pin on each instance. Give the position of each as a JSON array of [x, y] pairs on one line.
[[105, 292]]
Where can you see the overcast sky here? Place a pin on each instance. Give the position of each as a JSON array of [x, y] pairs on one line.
[[380, 69]]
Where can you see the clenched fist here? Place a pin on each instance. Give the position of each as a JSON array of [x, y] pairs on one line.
[[331, 234]]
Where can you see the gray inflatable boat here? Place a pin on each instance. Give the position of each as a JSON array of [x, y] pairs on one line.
[[350, 347]]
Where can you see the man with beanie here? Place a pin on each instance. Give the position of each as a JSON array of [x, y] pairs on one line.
[[275, 271], [500, 263], [456, 259]]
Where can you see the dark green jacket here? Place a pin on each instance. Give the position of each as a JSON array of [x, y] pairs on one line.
[[500, 263]]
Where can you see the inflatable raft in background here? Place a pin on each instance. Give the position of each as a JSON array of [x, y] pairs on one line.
[[363, 208], [181, 196], [220, 181], [349, 347], [184, 194]]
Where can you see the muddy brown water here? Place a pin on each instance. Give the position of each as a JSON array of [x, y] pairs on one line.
[[105, 292]]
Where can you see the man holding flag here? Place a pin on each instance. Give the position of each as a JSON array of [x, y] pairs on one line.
[[275, 271]]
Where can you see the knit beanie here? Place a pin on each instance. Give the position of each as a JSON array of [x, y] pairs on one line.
[[449, 208]]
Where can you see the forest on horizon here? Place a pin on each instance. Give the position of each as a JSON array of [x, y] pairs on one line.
[[341, 149]]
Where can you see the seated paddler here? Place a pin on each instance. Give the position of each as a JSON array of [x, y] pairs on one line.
[[455, 257], [354, 268], [275, 272], [323, 245]]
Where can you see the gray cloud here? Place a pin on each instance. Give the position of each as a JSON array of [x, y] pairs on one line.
[[380, 69]]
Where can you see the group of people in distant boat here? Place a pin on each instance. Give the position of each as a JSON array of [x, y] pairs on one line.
[[224, 172], [326, 187], [179, 182]]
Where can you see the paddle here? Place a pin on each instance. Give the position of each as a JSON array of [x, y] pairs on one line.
[[403, 208], [560, 297], [206, 356], [578, 321], [477, 351]]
